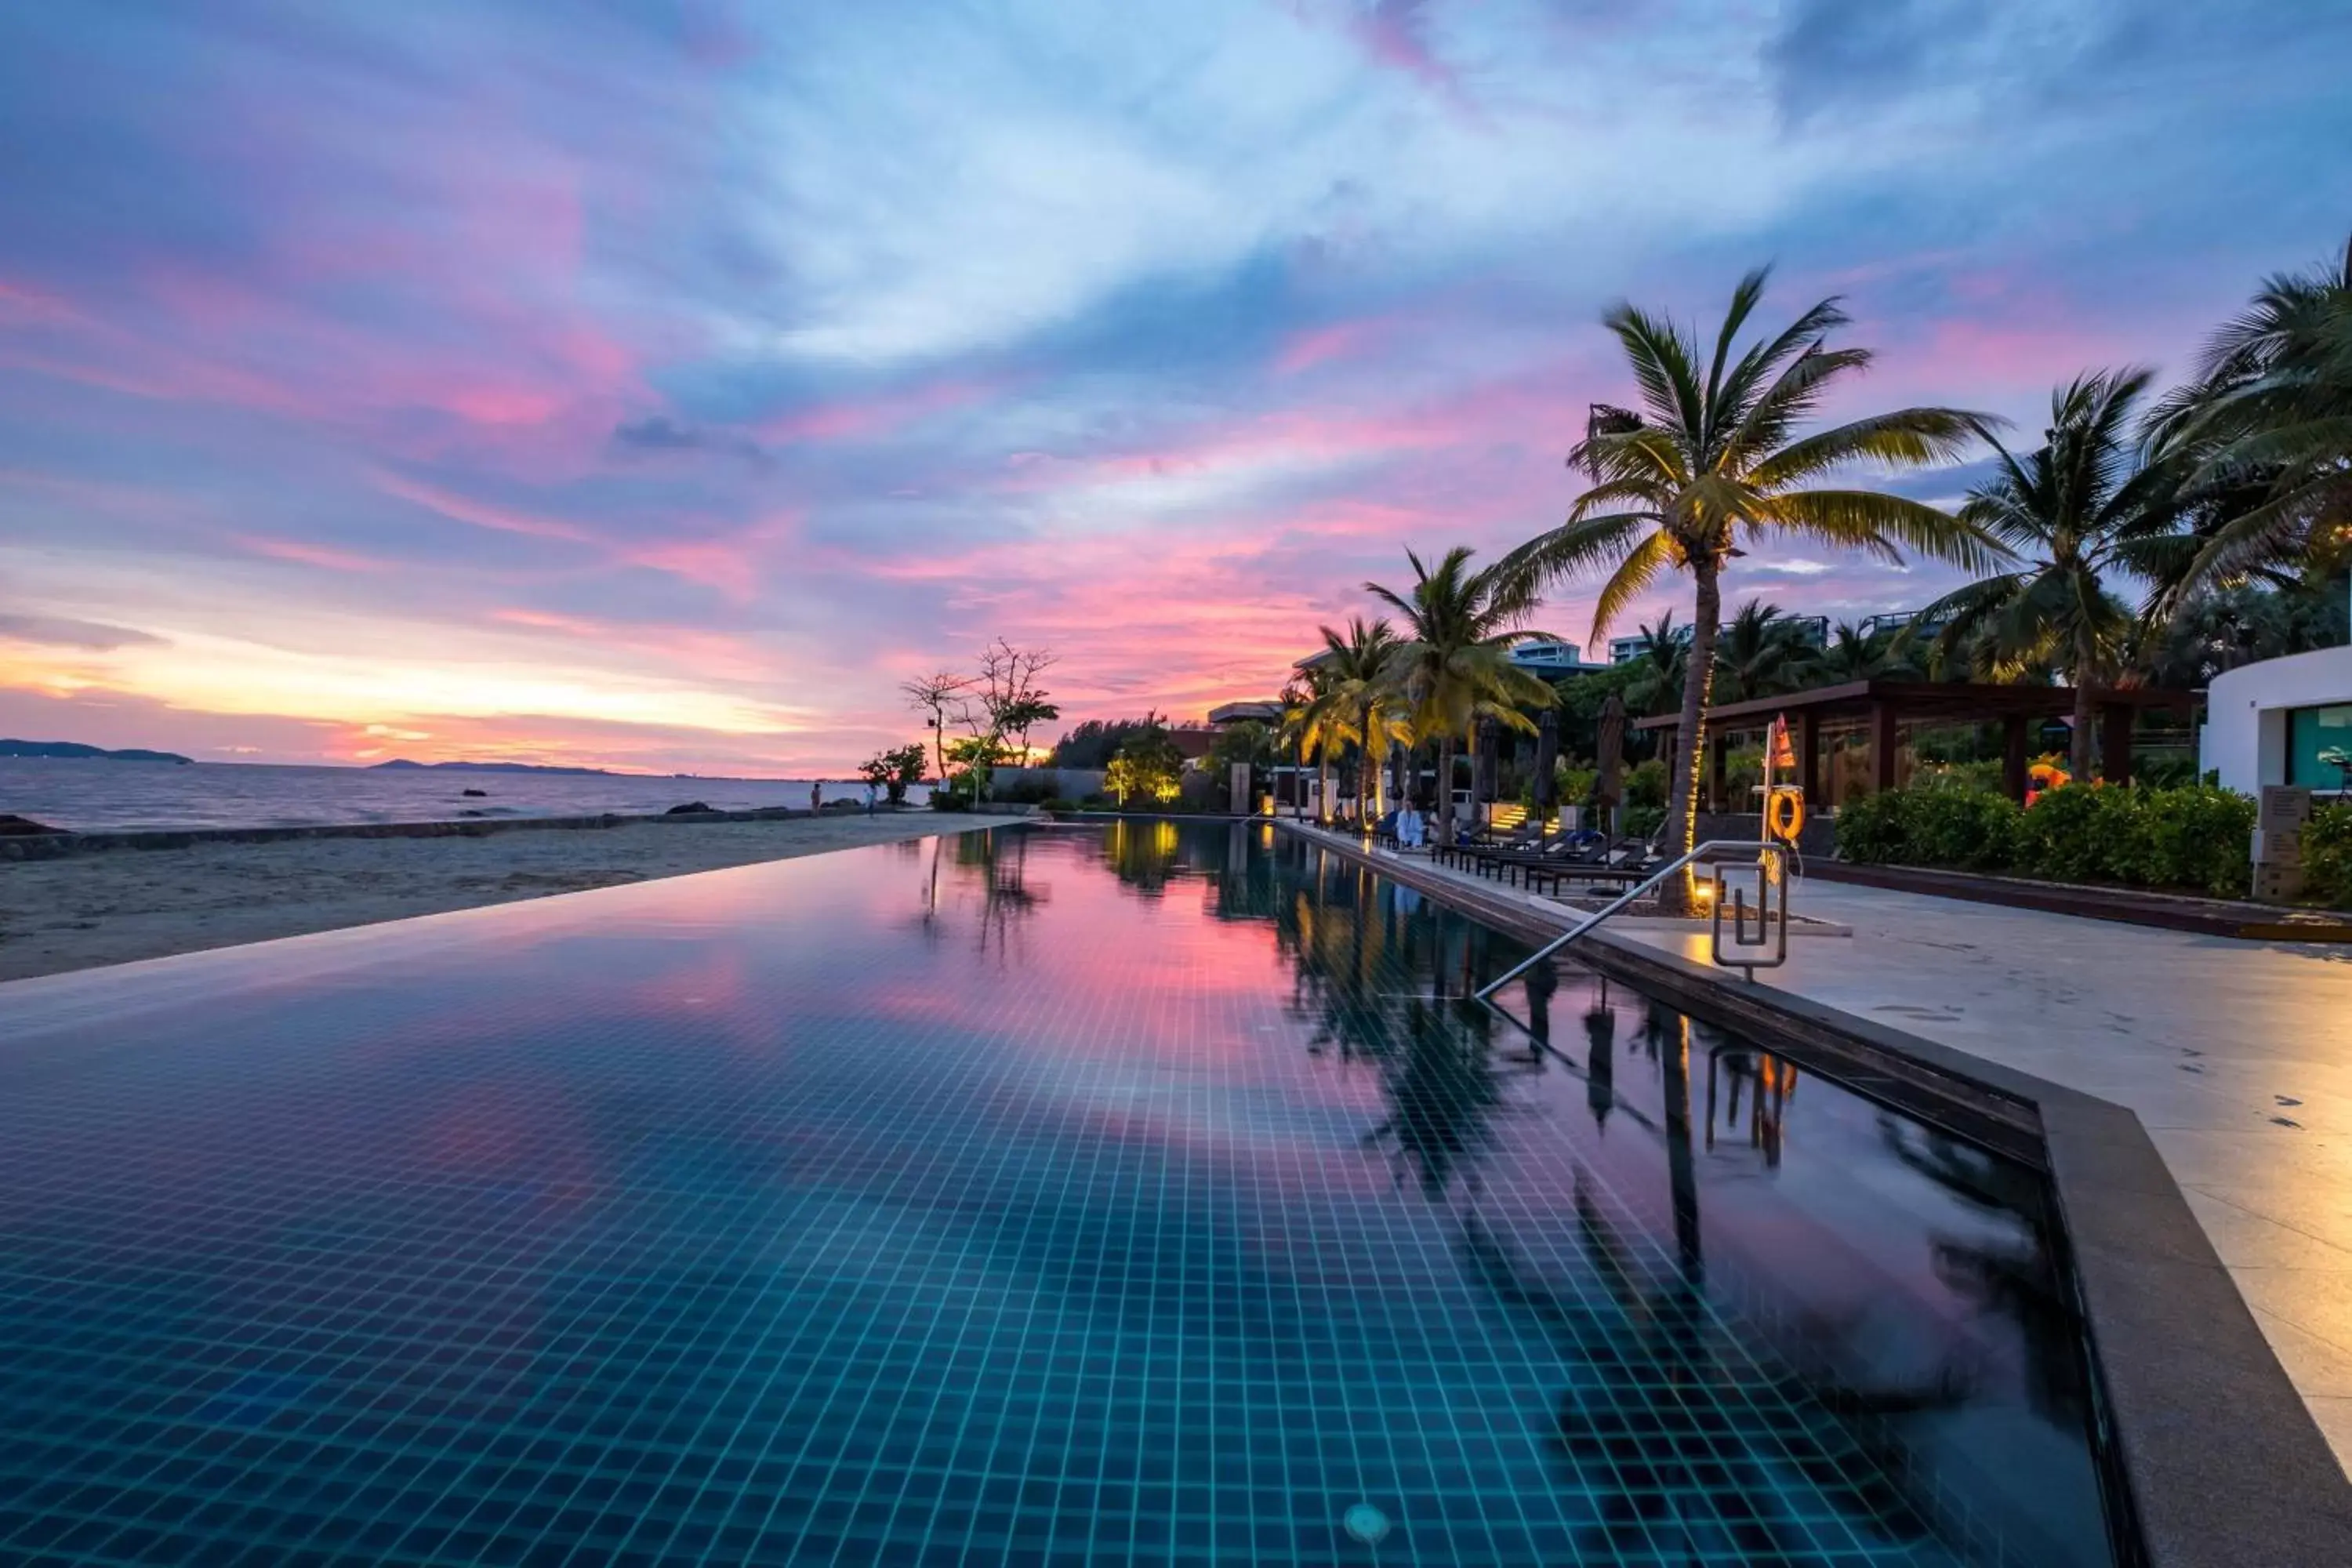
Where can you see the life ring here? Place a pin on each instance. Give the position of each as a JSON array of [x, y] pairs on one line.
[[1784, 814]]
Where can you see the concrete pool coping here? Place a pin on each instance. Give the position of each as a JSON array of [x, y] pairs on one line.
[[2222, 1463]]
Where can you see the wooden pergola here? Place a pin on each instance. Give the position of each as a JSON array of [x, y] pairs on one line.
[[1884, 706]]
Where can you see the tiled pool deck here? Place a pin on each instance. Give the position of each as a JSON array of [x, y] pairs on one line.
[[2236, 1056]]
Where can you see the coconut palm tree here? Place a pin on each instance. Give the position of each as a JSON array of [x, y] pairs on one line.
[[1715, 461], [2071, 514], [1762, 652], [1455, 666], [2266, 430], [1324, 720], [1851, 654], [1354, 666], [1656, 683]]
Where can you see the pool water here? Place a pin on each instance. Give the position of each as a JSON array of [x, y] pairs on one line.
[[1144, 1192]]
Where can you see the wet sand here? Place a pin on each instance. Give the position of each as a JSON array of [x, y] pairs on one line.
[[83, 911]]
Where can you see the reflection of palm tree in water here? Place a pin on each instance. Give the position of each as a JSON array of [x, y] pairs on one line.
[[1687, 1442], [1440, 1093], [1690, 1449], [2019, 1281]]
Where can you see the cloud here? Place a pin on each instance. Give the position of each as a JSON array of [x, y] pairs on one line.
[[58, 631], [661, 434], [673, 393]]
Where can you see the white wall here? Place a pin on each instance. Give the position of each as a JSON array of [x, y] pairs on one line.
[[2245, 713]]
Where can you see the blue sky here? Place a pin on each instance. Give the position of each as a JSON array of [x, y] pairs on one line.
[[657, 383]]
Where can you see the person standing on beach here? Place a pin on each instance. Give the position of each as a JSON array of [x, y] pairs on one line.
[[816, 797]]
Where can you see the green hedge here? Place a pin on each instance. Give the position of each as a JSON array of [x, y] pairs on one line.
[[2194, 838], [2327, 855]]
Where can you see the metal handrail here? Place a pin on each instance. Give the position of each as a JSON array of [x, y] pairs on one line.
[[1712, 847]]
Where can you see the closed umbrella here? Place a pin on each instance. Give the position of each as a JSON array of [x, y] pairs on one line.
[[1609, 788], [1546, 768]]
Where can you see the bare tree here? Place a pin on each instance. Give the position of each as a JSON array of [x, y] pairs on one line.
[[1010, 701], [944, 696]]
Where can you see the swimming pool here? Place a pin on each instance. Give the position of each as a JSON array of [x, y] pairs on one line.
[[1135, 1192]]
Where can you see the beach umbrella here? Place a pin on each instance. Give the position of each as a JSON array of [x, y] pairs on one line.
[[1484, 761], [1610, 787], [1546, 765]]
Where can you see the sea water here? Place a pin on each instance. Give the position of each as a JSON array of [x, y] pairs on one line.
[[97, 796]]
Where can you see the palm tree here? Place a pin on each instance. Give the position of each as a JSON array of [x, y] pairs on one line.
[[1325, 722], [1851, 654], [1762, 652], [1714, 462], [1356, 671], [1658, 667], [2266, 428], [1455, 667], [2078, 508]]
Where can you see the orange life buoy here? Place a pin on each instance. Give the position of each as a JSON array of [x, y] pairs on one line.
[[1784, 814]]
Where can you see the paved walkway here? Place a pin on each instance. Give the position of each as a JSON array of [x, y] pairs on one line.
[[2237, 1057]]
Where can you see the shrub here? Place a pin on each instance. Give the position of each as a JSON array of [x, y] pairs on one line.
[[1645, 786], [2079, 833], [1641, 821], [1949, 824], [1055, 806], [2192, 838], [2327, 855], [1869, 831], [2196, 838]]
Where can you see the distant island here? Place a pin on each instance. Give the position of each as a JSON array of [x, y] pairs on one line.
[[403, 763], [74, 749]]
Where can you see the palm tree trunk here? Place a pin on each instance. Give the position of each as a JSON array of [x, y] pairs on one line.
[[2078, 746], [1323, 786], [1445, 788], [1367, 781], [1680, 894]]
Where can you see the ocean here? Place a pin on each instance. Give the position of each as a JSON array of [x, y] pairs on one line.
[[96, 796]]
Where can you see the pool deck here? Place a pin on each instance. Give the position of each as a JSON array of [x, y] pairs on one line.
[[2236, 1057]]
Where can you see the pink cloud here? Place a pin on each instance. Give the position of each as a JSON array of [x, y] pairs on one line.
[[864, 418], [308, 555], [480, 514], [1318, 345]]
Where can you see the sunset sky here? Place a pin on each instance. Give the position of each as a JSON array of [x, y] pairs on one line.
[[657, 383]]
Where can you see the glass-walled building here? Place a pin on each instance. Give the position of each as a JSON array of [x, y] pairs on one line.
[[2283, 721]]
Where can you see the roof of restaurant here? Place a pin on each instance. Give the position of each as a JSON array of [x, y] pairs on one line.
[[1956, 701]]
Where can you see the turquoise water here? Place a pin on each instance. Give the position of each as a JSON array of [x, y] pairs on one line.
[[1141, 1193]]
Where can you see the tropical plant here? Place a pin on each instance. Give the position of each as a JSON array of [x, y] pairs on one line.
[[2071, 514], [1762, 653], [1318, 721], [2219, 629], [894, 770], [1852, 654], [1363, 699], [1714, 462], [1454, 667], [2265, 435], [1093, 744], [1246, 741], [1659, 665], [1148, 765]]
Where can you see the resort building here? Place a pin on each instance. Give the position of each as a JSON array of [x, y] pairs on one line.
[[2282, 722]]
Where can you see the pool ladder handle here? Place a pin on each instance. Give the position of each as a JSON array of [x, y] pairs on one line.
[[1775, 874]]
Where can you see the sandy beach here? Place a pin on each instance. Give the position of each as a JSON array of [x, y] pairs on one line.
[[83, 911]]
